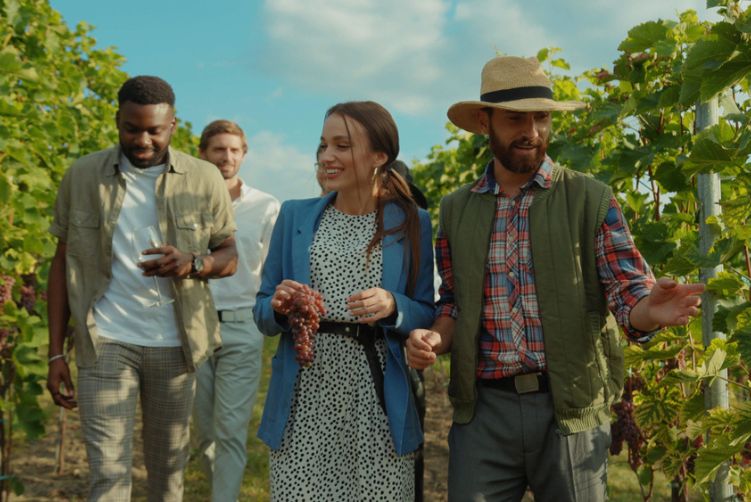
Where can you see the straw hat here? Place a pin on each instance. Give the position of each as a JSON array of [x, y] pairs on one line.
[[510, 83]]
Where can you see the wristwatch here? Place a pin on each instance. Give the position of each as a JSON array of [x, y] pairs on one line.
[[196, 267]]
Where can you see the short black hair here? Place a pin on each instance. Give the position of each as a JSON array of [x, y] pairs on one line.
[[146, 90]]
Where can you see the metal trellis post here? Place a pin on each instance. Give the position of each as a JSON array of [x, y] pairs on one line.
[[715, 395]]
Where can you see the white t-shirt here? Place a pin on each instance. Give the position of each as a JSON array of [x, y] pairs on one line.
[[255, 215], [123, 313]]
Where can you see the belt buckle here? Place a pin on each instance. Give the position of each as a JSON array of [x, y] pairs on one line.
[[352, 331], [229, 316], [527, 383]]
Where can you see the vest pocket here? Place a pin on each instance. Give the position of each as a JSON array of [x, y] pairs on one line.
[[607, 381], [611, 342], [599, 367]]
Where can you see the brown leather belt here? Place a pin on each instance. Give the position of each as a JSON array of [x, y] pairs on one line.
[[366, 336], [526, 383]]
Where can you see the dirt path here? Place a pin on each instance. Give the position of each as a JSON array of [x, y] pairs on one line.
[[437, 423], [35, 461]]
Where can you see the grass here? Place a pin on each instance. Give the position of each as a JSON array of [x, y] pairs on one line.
[[624, 487]]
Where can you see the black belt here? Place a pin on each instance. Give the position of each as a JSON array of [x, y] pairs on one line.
[[521, 384], [365, 335]]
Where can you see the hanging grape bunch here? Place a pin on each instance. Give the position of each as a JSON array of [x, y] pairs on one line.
[[6, 289], [304, 310], [625, 428], [6, 332]]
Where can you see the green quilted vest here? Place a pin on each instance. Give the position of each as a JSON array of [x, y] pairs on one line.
[[582, 344]]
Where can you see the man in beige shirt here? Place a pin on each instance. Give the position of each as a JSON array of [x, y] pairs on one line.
[[141, 228]]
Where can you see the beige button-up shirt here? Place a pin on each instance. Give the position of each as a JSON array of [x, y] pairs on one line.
[[195, 214]]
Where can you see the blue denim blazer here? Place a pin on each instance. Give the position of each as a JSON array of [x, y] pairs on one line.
[[288, 258]]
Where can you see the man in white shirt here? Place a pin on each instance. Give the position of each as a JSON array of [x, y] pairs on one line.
[[228, 382]]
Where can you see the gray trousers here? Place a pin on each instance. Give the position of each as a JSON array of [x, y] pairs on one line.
[[227, 386], [107, 396], [513, 442]]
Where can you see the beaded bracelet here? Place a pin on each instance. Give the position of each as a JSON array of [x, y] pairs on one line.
[[55, 358]]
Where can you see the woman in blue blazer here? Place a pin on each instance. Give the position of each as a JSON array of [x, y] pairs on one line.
[[346, 427]]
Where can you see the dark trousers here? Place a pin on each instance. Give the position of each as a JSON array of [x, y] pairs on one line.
[[513, 442]]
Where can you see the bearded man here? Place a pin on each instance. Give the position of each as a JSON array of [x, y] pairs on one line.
[[227, 383], [537, 266]]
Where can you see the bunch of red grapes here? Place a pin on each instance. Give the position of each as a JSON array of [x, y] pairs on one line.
[[6, 288], [745, 454], [304, 310], [28, 299], [625, 428], [28, 291]]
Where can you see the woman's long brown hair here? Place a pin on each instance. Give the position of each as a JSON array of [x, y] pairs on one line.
[[391, 187]]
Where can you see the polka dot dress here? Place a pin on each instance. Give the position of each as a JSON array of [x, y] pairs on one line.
[[337, 444]]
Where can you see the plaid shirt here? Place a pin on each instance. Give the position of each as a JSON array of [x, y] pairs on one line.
[[511, 340]]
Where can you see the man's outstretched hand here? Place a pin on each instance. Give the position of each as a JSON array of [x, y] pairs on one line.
[[668, 304]]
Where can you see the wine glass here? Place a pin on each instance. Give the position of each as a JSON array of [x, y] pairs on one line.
[[143, 239]]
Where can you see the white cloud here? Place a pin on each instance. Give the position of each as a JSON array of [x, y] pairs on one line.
[[506, 26], [618, 16], [384, 50], [275, 167], [419, 56], [607, 24], [480, 30]]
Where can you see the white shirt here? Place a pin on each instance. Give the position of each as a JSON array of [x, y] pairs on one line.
[[255, 215], [122, 313]]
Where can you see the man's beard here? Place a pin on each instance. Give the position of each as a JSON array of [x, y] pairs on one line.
[[515, 163], [158, 157], [228, 170]]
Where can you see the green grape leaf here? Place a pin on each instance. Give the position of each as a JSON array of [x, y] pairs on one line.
[[643, 37]]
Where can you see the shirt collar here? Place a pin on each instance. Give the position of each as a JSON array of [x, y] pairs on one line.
[[244, 187], [245, 190], [488, 184], [175, 167], [113, 162]]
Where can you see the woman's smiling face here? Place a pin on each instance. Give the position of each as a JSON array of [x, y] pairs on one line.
[[345, 155]]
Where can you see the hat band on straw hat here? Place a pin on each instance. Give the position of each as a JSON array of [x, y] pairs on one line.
[[509, 83], [517, 93]]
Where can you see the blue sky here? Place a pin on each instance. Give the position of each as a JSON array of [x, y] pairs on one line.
[[275, 66]]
